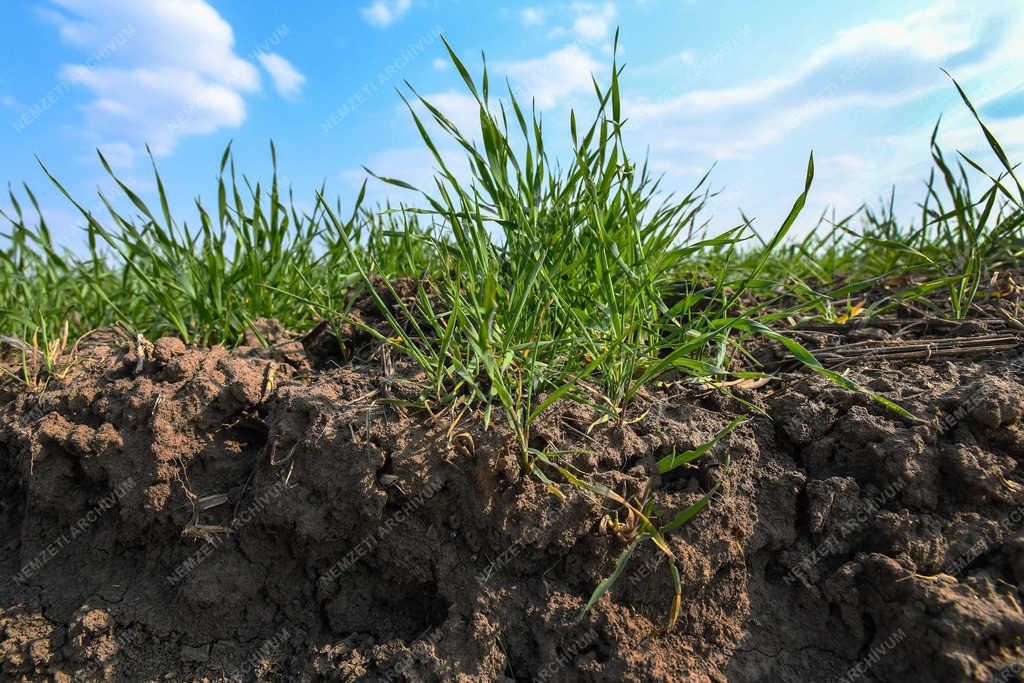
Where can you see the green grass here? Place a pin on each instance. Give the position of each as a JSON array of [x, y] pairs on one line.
[[624, 272], [534, 282]]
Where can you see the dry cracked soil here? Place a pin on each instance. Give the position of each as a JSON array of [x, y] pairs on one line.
[[192, 514]]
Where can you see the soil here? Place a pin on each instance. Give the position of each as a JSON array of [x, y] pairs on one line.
[[277, 514]]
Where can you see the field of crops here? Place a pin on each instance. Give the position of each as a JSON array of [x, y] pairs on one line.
[[547, 418]]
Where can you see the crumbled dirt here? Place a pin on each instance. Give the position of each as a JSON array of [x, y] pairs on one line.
[[276, 515]]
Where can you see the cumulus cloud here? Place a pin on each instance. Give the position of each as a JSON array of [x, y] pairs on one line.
[[414, 165], [592, 22], [457, 106], [549, 79], [117, 154], [383, 13], [158, 71], [287, 80], [552, 77]]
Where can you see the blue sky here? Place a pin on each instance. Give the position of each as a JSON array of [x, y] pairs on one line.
[[751, 86]]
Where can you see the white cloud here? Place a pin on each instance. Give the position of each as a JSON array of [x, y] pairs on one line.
[[853, 164], [843, 100], [676, 168], [593, 23], [532, 16], [684, 57], [458, 107], [683, 62], [878, 64], [287, 80], [440, 64], [549, 80], [187, 33], [414, 165], [118, 154], [158, 71], [383, 13], [157, 105], [959, 131], [554, 76]]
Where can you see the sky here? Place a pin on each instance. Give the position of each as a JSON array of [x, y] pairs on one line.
[[750, 88]]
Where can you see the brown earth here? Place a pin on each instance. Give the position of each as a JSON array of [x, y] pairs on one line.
[[184, 518]]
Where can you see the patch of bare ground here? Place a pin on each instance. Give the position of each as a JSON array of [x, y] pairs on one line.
[[262, 514]]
